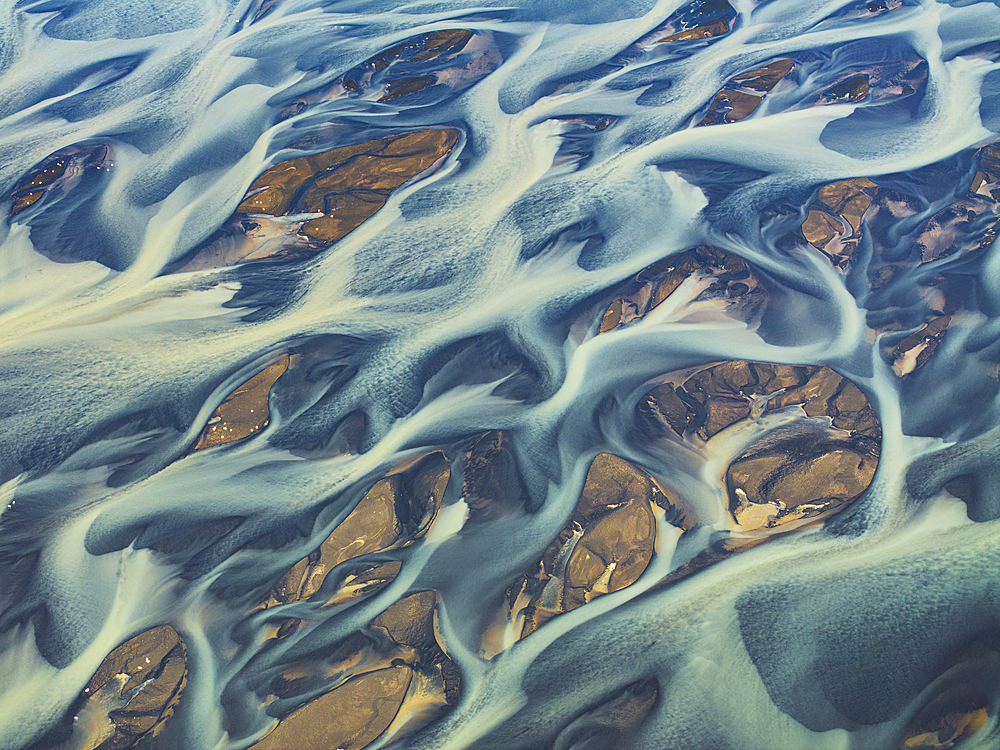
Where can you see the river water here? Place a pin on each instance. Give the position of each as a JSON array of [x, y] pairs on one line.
[[214, 348]]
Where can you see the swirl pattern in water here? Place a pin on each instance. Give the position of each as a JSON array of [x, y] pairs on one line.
[[500, 375]]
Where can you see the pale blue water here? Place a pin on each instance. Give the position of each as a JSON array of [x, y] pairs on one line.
[[470, 302]]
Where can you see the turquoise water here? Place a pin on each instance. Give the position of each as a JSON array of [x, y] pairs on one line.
[[591, 140]]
